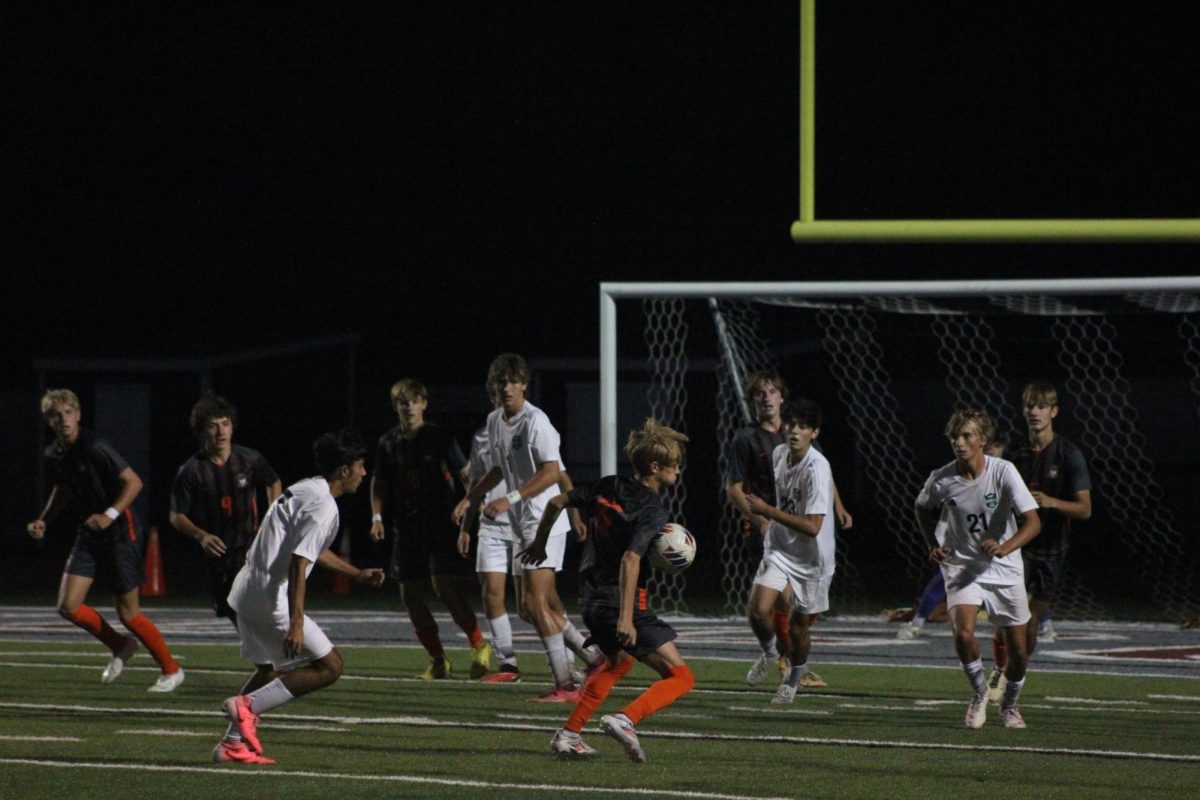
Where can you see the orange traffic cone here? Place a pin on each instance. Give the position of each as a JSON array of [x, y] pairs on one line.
[[154, 586], [341, 583]]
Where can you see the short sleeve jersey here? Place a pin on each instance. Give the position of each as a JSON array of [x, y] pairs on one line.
[[804, 488], [419, 475], [302, 521], [479, 463], [517, 446], [978, 509], [88, 470], [622, 516], [752, 461], [223, 499], [1059, 470]]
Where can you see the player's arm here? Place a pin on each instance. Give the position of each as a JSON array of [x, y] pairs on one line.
[[378, 492], [1079, 508], [926, 523], [535, 553], [807, 524], [844, 520], [293, 642], [274, 490], [577, 523], [210, 543], [54, 504], [741, 501], [545, 477], [370, 577], [631, 567], [131, 486]]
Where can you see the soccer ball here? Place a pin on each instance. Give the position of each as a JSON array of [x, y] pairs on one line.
[[673, 550]]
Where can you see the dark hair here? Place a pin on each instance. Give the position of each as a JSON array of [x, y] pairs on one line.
[[801, 410], [508, 367], [211, 406], [339, 449], [757, 377]]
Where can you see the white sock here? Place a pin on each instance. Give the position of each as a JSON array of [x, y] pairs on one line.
[[273, 695], [232, 733], [795, 674], [974, 672], [556, 654], [502, 639], [574, 640], [768, 645], [918, 622], [1012, 691]]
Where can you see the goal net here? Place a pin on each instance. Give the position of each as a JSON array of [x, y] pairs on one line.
[[889, 363]]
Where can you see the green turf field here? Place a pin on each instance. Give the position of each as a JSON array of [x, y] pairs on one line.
[[876, 732]]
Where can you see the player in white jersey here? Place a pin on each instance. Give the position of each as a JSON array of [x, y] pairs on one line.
[[989, 515], [798, 557], [524, 448], [291, 654]]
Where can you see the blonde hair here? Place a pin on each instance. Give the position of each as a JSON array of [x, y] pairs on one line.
[[655, 442], [1039, 394], [975, 418], [65, 396], [410, 388]]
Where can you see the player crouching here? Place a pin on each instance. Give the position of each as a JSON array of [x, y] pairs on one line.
[[624, 516]]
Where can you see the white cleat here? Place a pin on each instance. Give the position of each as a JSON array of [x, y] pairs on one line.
[[570, 745], [117, 665], [784, 694], [996, 684], [977, 711], [759, 669], [620, 728], [168, 683], [1012, 717], [908, 632]]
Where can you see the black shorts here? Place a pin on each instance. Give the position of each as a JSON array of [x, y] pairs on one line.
[[112, 556], [601, 621], [416, 555], [221, 574], [1042, 576]]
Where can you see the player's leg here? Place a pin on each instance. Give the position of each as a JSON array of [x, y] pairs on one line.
[[1009, 606], [810, 598], [769, 584], [676, 680], [413, 594], [149, 635], [573, 640], [963, 606], [72, 592], [493, 562], [450, 593], [537, 584]]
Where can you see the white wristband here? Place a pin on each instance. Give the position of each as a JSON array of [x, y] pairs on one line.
[[377, 518], [514, 497], [112, 513]]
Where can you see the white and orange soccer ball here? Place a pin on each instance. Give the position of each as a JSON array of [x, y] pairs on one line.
[[674, 549]]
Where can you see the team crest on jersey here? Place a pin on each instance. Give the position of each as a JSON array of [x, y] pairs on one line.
[[517, 442], [990, 500], [243, 480], [1052, 473]]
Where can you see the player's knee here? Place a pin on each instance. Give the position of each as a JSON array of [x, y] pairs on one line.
[[68, 611], [684, 674], [331, 667]]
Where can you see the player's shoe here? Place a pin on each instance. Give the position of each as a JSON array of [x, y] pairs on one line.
[[784, 694], [570, 745], [1047, 634], [996, 684], [811, 680], [759, 669], [1012, 717], [237, 709], [785, 664], [235, 750], [168, 683], [117, 664], [977, 711], [577, 676], [908, 632], [620, 728], [438, 669], [508, 673], [481, 660], [559, 694]]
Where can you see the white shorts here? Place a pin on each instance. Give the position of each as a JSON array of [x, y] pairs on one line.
[[495, 555], [809, 595], [262, 641], [1006, 606]]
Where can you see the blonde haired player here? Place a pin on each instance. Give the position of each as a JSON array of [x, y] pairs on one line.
[[989, 515]]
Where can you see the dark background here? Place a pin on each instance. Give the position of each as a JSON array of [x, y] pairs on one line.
[[449, 180]]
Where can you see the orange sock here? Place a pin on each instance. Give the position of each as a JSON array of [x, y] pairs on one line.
[[999, 651], [90, 620], [148, 634], [783, 631], [661, 694], [594, 692]]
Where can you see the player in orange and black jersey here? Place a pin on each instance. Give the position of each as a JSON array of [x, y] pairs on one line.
[[624, 517], [92, 479], [214, 498]]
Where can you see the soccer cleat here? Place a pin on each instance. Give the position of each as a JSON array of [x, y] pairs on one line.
[[996, 684], [508, 673], [570, 744], [1012, 717], [1047, 634], [577, 676], [117, 665], [559, 694], [168, 683], [908, 632], [438, 669], [811, 680], [237, 709], [481, 660], [977, 711], [784, 694], [620, 728], [759, 669], [233, 750]]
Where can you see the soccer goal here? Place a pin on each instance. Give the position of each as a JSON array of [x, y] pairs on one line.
[[889, 361]]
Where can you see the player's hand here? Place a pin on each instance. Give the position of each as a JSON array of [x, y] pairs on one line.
[[939, 554], [533, 554], [36, 529], [992, 548], [212, 545], [844, 520], [293, 643], [580, 529], [464, 544], [626, 633], [370, 577], [1042, 499], [757, 505], [97, 522], [496, 508], [460, 511], [377, 531]]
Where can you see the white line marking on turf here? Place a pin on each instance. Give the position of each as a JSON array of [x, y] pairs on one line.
[[1187, 697], [241, 773], [7, 738], [169, 732], [1096, 702], [72, 654], [872, 707], [769, 710]]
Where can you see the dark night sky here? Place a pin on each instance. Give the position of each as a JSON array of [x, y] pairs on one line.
[[449, 179]]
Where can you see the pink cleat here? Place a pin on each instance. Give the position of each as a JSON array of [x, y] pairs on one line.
[[559, 694], [237, 709], [235, 751]]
